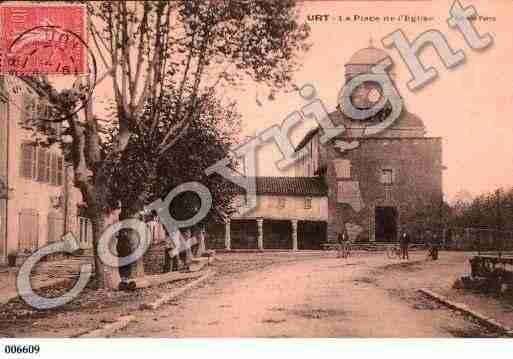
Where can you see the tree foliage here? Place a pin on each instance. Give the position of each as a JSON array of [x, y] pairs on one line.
[[207, 140], [493, 210], [166, 61]]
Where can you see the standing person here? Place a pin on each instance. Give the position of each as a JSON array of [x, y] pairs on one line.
[[435, 246], [404, 241], [170, 254], [185, 252], [171, 259], [343, 243], [340, 240]]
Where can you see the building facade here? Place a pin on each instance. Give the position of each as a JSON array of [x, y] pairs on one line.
[[38, 202], [371, 186], [376, 183], [289, 213]]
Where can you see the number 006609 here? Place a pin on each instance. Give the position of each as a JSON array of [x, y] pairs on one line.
[[21, 349]]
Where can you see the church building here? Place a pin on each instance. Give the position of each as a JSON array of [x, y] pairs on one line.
[[376, 184], [371, 186]]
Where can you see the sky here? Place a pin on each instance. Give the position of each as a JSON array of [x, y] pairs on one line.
[[470, 106]]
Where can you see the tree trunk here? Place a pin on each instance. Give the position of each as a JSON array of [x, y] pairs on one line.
[[128, 243], [167, 262], [106, 277]]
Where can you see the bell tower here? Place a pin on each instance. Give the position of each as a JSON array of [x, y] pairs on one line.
[[367, 94]]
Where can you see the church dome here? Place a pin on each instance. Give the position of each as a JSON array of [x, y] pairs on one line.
[[367, 56]]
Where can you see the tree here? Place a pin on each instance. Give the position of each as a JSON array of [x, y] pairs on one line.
[[429, 213], [208, 139], [192, 47], [492, 210]]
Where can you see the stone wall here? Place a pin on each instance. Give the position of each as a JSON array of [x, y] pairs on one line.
[[417, 176], [154, 259]]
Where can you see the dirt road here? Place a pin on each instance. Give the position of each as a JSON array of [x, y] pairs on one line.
[[322, 297]]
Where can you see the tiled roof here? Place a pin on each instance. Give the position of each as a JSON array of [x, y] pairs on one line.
[[288, 186], [405, 120]]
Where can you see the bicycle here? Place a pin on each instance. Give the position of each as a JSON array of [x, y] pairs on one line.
[[344, 250], [393, 251], [432, 252]]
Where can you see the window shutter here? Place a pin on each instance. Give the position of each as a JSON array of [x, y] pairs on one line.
[[387, 176], [57, 127], [60, 171], [383, 176], [48, 164], [53, 169], [308, 203], [40, 109], [26, 108], [342, 168], [41, 166], [281, 202], [55, 176], [30, 111], [28, 162]]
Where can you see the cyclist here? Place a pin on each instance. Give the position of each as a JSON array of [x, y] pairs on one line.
[[434, 247], [404, 241]]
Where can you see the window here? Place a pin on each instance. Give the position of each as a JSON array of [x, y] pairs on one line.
[[249, 200], [35, 110], [41, 110], [28, 161], [60, 171], [29, 110], [39, 164], [388, 194], [308, 202], [281, 202], [56, 170], [343, 168], [43, 165], [387, 176]]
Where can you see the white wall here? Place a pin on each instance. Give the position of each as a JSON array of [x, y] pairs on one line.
[[294, 208], [30, 194]]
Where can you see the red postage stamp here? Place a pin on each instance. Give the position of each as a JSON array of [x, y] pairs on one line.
[[43, 39]]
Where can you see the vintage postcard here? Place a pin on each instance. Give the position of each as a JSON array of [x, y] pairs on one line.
[[255, 169]]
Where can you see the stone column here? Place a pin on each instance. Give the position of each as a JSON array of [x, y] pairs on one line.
[[188, 250], [260, 225], [201, 245], [294, 235], [227, 238], [112, 276]]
